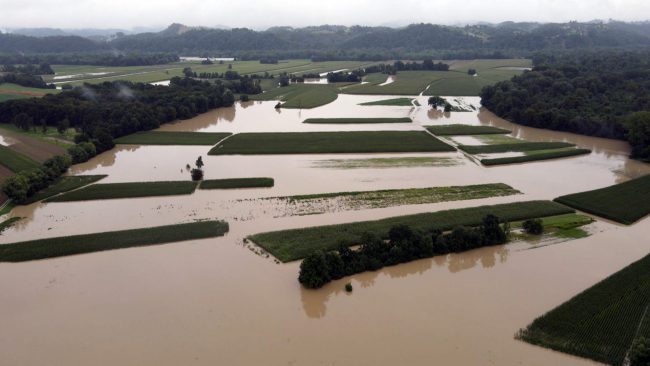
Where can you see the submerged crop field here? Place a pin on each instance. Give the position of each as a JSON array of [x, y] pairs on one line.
[[172, 138], [344, 201], [357, 120], [625, 202], [459, 130], [127, 190], [601, 322], [330, 142], [88, 243], [375, 163], [293, 244]]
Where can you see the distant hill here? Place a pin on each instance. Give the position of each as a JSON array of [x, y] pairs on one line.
[[515, 39]]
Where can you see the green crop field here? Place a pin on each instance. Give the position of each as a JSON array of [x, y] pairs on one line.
[[172, 138], [293, 244], [458, 130], [400, 102], [330, 142], [601, 322], [513, 147], [14, 161], [127, 190], [63, 184], [536, 155], [357, 120], [625, 203], [302, 95], [88, 243], [406, 83], [236, 183]]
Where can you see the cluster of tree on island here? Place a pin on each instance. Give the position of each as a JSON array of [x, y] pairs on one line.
[[403, 244], [597, 93], [105, 111]]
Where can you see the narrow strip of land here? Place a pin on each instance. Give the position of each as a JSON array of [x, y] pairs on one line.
[[357, 120], [459, 130], [293, 244], [79, 244], [172, 138], [127, 190], [63, 184], [236, 183], [514, 147], [535, 156]]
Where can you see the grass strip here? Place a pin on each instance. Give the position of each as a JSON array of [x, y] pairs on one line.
[[293, 244], [372, 163], [535, 157], [172, 138], [625, 203], [88, 243], [330, 142], [458, 130], [8, 223], [236, 183], [599, 323], [357, 120], [513, 147], [399, 102], [127, 190], [14, 161], [63, 184]]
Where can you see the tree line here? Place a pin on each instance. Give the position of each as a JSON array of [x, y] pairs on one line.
[[103, 112], [90, 58], [403, 245], [597, 93]]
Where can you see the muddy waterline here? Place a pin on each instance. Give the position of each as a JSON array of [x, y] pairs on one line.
[[216, 301]]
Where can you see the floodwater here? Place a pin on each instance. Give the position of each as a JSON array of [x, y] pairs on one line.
[[221, 301]]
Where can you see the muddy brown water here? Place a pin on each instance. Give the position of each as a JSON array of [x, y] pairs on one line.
[[216, 301]]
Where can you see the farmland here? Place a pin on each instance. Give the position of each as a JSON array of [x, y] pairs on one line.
[[88, 243], [625, 202], [62, 185], [601, 322], [398, 102], [14, 161], [293, 244], [127, 190], [535, 156], [513, 147], [330, 142]]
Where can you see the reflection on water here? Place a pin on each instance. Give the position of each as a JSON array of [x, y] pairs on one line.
[[314, 302]]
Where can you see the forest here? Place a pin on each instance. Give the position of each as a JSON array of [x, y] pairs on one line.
[[331, 42], [596, 92]]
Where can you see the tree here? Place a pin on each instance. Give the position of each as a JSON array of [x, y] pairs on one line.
[[199, 162], [314, 272], [492, 231], [638, 127], [197, 174], [16, 187], [447, 107], [533, 226], [63, 126], [436, 101], [23, 121], [471, 72]]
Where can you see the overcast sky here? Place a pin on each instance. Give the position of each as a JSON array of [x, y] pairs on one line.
[[260, 14]]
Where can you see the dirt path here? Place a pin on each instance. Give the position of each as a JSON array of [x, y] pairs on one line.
[[36, 149], [22, 92]]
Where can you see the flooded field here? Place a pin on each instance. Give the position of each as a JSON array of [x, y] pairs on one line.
[[223, 301]]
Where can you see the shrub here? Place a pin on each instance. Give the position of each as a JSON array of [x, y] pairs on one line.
[[314, 272], [533, 226], [197, 174], [348, 287], [640, 352]]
